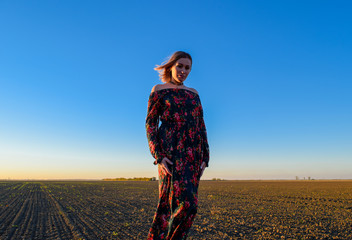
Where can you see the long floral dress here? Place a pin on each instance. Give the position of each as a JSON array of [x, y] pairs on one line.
[[182, 138]]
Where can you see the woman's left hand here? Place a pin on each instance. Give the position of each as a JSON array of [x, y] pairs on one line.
[[202, 168]]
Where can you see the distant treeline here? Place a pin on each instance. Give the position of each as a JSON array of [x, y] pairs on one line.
[[130, 179], [217, 179]]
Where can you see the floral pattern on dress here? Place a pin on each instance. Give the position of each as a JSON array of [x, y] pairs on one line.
[[181, 114], [182, 138]]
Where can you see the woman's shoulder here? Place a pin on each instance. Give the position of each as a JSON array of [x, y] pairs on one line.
[[159, 87], [192, 90]]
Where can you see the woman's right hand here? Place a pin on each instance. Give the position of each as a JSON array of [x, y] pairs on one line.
[[164, 165]]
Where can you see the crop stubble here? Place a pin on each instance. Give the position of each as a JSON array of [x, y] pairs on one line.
[[227, 210]]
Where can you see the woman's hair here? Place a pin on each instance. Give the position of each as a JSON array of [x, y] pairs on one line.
[[165, 69]]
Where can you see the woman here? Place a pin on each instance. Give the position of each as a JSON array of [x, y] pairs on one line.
[[179, 146]]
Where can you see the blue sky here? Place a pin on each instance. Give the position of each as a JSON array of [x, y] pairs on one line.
[[274, 78]]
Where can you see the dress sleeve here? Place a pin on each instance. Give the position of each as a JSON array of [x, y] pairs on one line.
[[205, 138], [152, 126]]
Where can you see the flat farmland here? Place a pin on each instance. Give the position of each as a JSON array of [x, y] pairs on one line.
[[227, 210]]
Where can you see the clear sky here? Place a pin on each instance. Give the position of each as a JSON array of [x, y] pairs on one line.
[[274, 78]]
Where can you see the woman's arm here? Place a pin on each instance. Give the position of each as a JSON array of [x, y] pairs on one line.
[[205, 139], [152, 126]]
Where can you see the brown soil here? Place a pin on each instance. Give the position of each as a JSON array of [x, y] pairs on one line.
[[227, 210]]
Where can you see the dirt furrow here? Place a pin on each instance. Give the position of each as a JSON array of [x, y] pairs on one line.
[[31, 228], [10, 210], [23, 226], [18, 219], [62, 222]]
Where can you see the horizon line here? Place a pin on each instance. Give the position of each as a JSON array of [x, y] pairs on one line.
[[212, 179]]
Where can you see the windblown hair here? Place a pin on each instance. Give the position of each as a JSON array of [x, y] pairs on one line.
[[165, 69]]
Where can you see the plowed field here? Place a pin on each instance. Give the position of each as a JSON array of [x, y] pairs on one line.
[[227, 210]]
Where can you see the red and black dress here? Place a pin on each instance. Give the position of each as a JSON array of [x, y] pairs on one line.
[[182, 138]]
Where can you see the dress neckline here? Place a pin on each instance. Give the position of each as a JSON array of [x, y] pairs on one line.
[[175, 89]]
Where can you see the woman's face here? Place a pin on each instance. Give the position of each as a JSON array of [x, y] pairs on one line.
[[181, 69]]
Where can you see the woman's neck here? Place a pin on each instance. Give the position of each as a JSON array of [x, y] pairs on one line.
[[178, 84]]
